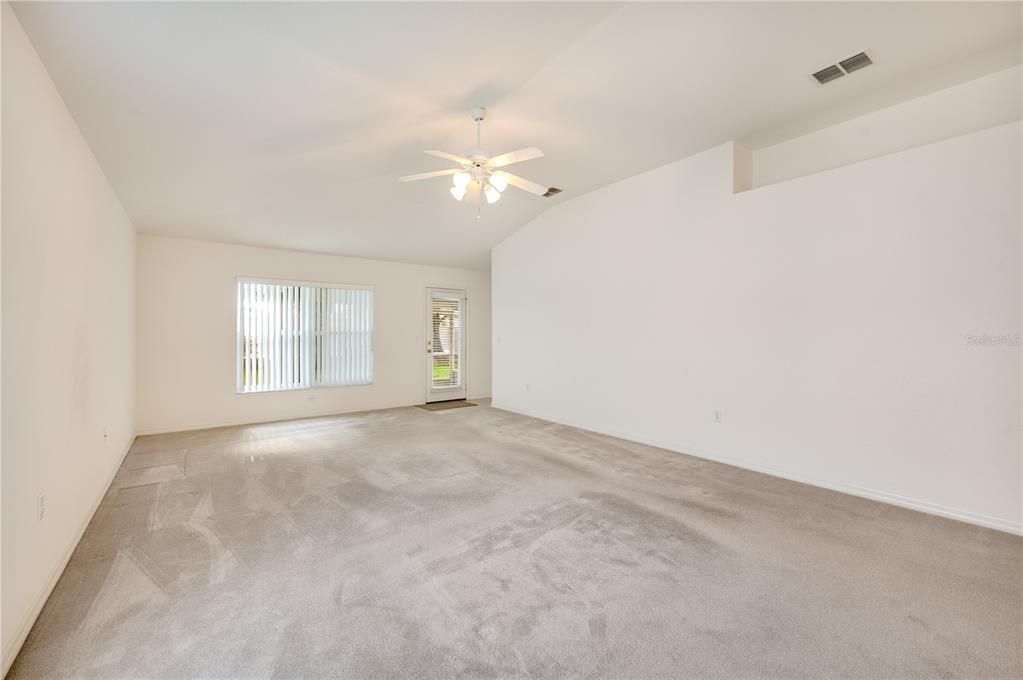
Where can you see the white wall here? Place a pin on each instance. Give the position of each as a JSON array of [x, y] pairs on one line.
[[4, 663], [68, 334], [975, 105], [186, 333], [826, 319]]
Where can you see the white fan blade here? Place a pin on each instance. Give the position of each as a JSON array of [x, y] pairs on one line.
[[504, 159], [427, 175], [525, 184], [450, 157]]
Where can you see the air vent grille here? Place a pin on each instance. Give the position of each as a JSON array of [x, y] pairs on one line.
[[855, 62], [835, 71], [552, 192], [826, 75]]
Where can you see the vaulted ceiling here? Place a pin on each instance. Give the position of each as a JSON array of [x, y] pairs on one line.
[[287, 124]]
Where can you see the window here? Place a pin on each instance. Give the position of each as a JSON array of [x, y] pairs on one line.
[[294, 336]]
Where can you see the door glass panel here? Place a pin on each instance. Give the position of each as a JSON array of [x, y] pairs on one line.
[[446, 346]]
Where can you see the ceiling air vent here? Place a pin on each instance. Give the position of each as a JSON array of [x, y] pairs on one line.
[[855, 62], [826, 75], [551, 192]]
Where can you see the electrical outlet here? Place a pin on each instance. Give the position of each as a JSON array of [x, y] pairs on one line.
[[528, 387], [717, 416], [41, 507]]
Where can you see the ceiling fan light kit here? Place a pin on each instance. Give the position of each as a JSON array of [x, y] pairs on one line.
[[478, 167]]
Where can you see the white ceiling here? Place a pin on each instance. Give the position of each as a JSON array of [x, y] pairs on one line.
[[287, 125]]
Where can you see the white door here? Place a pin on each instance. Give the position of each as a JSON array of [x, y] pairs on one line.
[[445, 344]]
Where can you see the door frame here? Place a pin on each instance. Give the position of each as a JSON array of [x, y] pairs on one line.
[[450, 393]]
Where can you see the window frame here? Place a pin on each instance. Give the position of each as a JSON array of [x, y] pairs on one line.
[[239, 357]]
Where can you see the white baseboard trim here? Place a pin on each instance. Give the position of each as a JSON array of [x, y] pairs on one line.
[[10, 653], [987, 521], [242, 423]]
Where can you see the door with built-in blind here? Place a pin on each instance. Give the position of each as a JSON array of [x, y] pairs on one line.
[[445, 344]]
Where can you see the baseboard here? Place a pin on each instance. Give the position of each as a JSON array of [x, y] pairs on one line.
[[242, 423], [978, 519], [11, 652]]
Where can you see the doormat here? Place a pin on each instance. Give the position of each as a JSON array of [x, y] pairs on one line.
[[445, 405]]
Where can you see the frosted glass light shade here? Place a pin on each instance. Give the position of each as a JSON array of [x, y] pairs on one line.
[[492, 194], [499, 182]]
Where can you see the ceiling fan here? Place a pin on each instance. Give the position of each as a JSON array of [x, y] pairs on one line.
[[478, 167]]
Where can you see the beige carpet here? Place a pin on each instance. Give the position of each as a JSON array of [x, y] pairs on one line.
[[484, 544]]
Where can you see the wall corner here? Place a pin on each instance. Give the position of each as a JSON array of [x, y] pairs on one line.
[[742, 168]]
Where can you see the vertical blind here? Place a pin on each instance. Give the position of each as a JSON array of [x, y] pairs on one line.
[[294, 336]]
